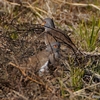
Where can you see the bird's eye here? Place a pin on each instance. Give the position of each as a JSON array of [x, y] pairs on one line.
[[55, 46]]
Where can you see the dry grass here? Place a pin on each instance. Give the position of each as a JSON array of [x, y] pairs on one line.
[[21, 38]]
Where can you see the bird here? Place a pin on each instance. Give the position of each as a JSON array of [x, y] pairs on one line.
[[50, 57], [52, 39]]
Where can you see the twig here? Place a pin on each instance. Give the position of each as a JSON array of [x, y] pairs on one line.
[[23, 72], [79, 91], [12, 3], [80, 4], [19, 94], [48, 7], [35, 10]]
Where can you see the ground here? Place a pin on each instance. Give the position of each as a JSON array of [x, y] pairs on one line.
[[21, 38]]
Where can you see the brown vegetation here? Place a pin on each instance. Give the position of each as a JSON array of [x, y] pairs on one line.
[[21, 41]]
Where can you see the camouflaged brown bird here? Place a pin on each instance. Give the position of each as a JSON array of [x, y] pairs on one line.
[[53, 39]]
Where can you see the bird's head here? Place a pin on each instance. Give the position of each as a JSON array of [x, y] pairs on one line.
[[48, 24]]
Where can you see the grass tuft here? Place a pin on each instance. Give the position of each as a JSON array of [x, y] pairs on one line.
[[88, 34]]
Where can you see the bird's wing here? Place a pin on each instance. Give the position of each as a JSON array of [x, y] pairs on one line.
[[60, 36]]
